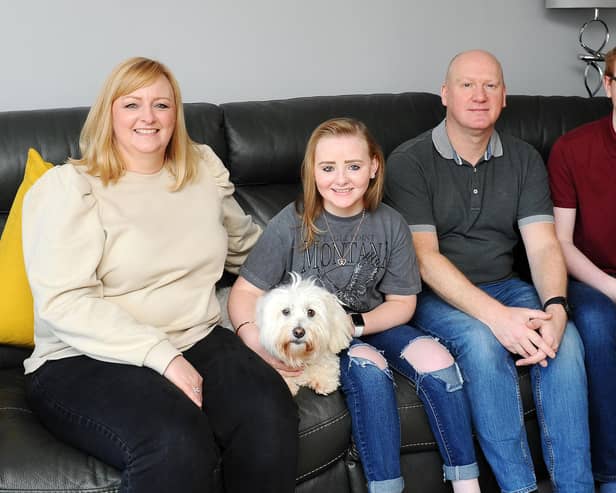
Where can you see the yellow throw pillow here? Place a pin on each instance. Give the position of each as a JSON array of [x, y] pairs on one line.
[[16, 311]]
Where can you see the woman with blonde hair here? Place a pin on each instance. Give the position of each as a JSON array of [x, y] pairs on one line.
[[360, 249], [130, 364]]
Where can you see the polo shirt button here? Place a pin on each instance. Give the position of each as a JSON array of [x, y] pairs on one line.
[[475, 191]]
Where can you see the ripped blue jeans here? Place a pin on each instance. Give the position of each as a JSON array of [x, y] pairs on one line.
[[371, 400]]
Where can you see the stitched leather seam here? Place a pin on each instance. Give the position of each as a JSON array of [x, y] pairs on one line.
[[16, 409], [411, 406], [339, 456], [104, 489], [418, 444], [323, 426]]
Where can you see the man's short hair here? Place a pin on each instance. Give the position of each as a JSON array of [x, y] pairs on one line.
[[610, 60]]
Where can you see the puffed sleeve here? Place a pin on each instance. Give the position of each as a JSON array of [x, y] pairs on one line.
[[63, 241], [242, 232]]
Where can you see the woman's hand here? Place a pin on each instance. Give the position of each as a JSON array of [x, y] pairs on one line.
[[184, 376], [249, 333]]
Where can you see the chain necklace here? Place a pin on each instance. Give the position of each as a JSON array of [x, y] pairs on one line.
[[342, 256]]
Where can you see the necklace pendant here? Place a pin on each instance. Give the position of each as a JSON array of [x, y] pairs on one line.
[[341, 261]]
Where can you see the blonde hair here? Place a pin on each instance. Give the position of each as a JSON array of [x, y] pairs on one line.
[[97, 143], [311, 205]]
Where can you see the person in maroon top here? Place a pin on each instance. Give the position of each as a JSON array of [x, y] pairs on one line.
[[582, 170]]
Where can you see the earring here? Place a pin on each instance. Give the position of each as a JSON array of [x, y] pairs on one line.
[[372, 176]]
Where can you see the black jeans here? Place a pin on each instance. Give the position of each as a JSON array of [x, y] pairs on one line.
[[137, 421]]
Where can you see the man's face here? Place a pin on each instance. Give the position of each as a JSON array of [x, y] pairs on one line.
[[474, 92], [610, 84]]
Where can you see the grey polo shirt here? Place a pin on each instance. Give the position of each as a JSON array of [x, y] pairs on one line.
[[475, 211]]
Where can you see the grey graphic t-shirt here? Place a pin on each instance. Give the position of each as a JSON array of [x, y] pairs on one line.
[[379, 258]]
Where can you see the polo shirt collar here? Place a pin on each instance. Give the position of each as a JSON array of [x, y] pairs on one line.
[[442, 144]]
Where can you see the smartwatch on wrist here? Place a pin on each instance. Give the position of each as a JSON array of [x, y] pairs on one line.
[[358, 322], [559, 300]]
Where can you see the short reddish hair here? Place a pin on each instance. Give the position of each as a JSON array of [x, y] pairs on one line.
[[610, 59]]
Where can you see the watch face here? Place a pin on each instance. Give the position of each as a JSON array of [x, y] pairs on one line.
[[358, 319]]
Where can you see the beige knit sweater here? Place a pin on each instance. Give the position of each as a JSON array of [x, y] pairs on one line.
[[126, 273]]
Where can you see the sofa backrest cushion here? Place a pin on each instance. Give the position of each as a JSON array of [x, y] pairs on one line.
[[55, 134], [540, 120], [266, 139]]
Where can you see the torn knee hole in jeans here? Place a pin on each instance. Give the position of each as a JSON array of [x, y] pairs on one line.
[[450, 376], [364, 355], [425, 353], [430, 358]]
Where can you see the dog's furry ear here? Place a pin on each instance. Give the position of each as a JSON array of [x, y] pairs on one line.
[[340, 325]]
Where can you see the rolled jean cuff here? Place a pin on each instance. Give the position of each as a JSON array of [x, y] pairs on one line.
[[469, 471], [386, 486]]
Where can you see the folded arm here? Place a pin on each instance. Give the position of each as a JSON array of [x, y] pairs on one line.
[[549, 276], [578, 264], [510, 325]]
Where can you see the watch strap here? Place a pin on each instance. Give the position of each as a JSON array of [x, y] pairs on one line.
[[358, 323], [559, 300]]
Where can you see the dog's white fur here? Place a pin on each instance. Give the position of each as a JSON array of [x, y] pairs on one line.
[[305, 326]]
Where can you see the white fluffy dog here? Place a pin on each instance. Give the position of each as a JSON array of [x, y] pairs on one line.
[[305, 326]]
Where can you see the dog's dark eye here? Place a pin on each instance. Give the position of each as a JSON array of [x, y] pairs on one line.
[[310, 312], [286, 311]]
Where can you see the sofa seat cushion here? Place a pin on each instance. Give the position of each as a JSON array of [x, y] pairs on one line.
[[414, 426], [31, 459], [324, 432], [30, 455], [325, 427]]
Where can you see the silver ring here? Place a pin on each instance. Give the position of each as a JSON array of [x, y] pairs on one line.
[[196, 390]]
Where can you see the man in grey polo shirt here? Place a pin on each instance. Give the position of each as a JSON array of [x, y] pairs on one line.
[[464, 190]]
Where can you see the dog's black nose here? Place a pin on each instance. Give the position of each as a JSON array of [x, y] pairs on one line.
[[299, 332]]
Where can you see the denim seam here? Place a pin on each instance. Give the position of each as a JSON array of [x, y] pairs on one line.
[[419, 389], [364, 362], [464, 471], [549, 461], [523, 450], [526, 489], [388, 484], [438, 422], [358, 429]]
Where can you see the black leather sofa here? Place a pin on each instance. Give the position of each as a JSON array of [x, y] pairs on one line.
[[262, 145]]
